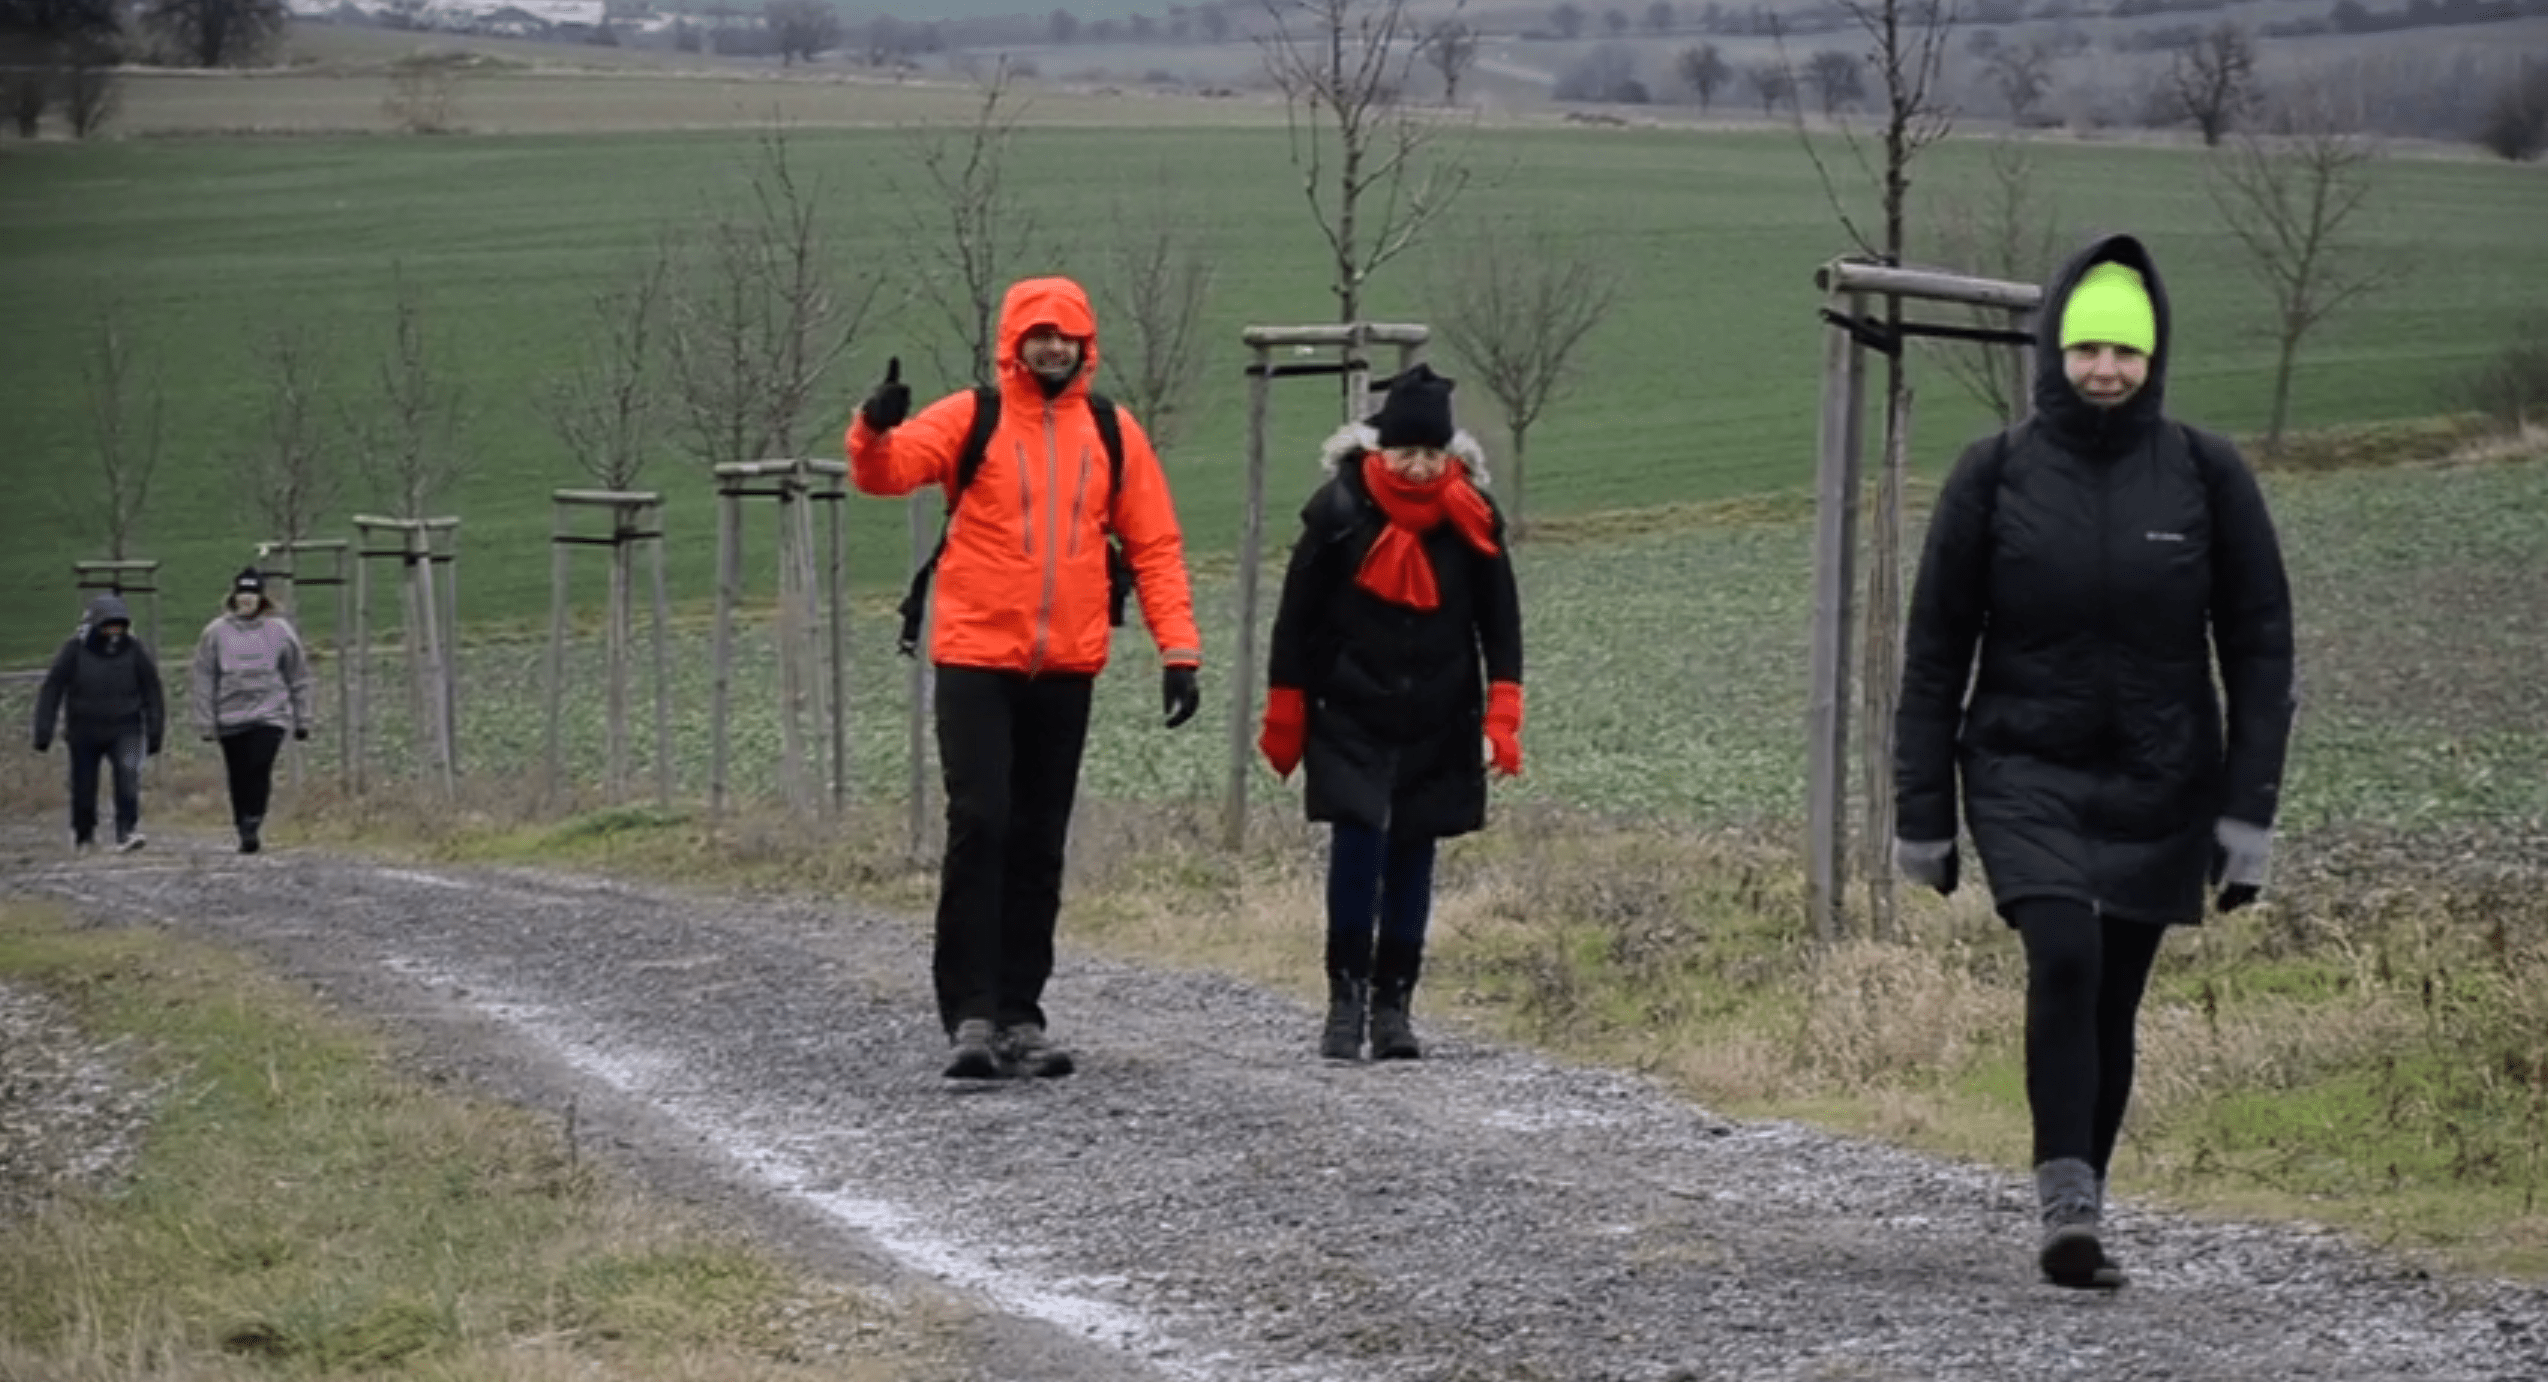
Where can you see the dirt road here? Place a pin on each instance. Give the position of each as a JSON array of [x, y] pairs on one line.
[[1207, 1201]]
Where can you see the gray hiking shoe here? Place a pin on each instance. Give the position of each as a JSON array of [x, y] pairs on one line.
[[972, 1058], [2073, 1254], [1026, 1050]]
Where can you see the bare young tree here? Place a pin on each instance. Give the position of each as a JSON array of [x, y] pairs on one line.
[[607, 408], [2022, 73], [2213, 80], [1450, 49], [756, 320], [1514, 307], [407, 441], [1368, 163], [126, 414], [2008, 230], [92, 89], [1838, 79], [968, 222], [210, 33], [290, 473], [802, 29], [1156, 282], [1704, 69], [1909, 46], [1771, 83], [2294, 199]]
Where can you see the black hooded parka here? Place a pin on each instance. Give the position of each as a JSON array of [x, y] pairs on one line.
[[2098, 560]]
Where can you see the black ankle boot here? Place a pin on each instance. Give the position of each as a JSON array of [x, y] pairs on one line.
[[1348, 1006], [1393, 1035]]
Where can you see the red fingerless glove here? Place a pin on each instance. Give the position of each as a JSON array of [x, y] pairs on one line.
[[1504, 726], [1286, 726]]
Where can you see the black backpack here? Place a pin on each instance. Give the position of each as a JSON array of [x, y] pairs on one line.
[[977, 446]]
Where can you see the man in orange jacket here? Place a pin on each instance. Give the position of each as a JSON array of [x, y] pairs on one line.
[[1020, 634]]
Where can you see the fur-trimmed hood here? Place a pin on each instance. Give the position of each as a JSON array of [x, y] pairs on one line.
[[1355, 438]]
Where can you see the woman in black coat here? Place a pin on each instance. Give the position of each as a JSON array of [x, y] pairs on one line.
[[2102, 561], [1397, 643]]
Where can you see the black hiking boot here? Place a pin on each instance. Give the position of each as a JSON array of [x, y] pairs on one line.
[[2073, 1253], [972, 1057], [1348, 1007], [1025, 1050], [1393, 1035], [248, 841]]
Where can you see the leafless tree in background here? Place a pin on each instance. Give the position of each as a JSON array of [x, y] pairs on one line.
[[607, 409], [1155, 283], [757, 320], [970, 225], [1514, 308], [2022, 74], [1368, 162], [127, 409], [2294, 197], [1704, 69], [1450, 49], [2214, 80], [2008, 230], [291, 473], [407, 441]]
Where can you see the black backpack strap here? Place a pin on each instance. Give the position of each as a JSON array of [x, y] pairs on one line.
[[977, 446], [1110, 430]]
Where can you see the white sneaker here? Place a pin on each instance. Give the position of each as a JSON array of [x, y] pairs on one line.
[[131, 842]]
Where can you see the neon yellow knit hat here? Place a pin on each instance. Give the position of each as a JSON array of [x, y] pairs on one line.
[[2110, 307]]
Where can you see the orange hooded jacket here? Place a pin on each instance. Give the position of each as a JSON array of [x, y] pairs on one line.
[[1022, 584]]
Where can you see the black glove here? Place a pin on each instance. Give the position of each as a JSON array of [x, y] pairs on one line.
[[1179, 695], [152, 748], [300, 731], [44, 746], [885, 409]]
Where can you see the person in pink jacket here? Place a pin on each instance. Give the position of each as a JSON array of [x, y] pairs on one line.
[[250, 687]]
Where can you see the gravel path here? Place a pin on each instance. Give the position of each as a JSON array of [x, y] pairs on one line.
[[1207, 1201]]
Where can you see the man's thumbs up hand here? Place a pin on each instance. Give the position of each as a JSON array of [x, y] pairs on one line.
[[885, 409]]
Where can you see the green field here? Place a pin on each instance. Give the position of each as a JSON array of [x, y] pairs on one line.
[[1701, 385]]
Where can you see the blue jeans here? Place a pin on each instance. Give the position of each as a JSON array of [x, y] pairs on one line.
[[1374, 877], [122, 749]]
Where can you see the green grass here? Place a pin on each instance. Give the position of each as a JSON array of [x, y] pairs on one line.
[[299, 1207], [1702, 385]]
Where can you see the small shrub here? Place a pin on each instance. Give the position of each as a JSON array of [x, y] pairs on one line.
[[2512, 388]]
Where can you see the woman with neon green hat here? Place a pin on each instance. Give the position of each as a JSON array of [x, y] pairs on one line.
[[2085, 573]]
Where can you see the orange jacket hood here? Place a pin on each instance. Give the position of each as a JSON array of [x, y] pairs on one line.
[[1056, 302]]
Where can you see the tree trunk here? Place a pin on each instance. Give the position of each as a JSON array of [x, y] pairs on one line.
[[1516, 524], [2282, 391]]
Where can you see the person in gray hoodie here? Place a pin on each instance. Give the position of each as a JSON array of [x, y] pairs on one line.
[[104, 689], [251, 686]]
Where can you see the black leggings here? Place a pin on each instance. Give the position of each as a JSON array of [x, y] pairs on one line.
[[248, 756], [2084, 978]]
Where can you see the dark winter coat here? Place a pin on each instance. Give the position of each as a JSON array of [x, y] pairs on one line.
[[1396, 696], [102, 693], [2099, 560]]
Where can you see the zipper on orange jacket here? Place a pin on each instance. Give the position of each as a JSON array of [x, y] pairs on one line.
[[1052, 546]]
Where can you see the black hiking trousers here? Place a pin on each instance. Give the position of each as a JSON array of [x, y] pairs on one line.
[[1010, 747]]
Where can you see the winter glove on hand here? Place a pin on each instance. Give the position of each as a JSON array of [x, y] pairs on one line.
[[1504, 727], [1929, 863], [154, 746], [1179, 695], [300, 731], [44, 746], [2241, 854], [1286, 729], [885, 409]]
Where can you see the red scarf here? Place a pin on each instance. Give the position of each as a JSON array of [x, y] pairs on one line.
[[1397, 569]]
